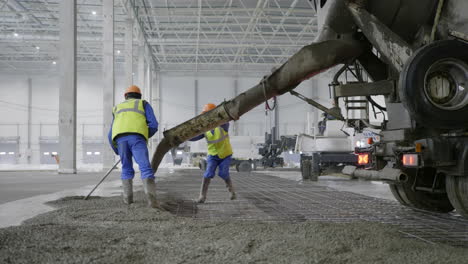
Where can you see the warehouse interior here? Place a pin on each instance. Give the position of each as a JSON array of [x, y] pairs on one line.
[[332, 158]]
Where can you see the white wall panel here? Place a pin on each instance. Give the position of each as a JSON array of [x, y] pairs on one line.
[[177, 103], [177, 99]]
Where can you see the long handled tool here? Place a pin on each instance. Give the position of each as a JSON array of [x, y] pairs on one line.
[[105, 176]]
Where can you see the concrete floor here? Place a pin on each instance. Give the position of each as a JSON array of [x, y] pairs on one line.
[[273, 220], [339, 182], [19, 185], [16, 185], [24, 194], [263, 195]]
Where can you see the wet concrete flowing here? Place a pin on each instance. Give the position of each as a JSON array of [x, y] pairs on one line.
[[104, 230]]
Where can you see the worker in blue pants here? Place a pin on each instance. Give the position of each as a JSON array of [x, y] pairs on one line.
[[133, 124], [219, 156]]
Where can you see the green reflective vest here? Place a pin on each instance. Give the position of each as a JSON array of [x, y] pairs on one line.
[[218, 143], [129, 117]]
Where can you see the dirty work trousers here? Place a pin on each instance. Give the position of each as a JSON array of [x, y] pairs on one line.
[[134, 146], [214, 162]]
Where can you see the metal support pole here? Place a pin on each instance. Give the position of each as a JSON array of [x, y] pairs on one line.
[[235, 127], [276, 120], [149, 94], [141, 66], [315, 96], [148, 79], [67, 96], [196, 102], [29, 152], [157, 100], [108, 78], [129, 50]]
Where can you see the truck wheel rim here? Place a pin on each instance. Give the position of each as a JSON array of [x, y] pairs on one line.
[[446, 84]]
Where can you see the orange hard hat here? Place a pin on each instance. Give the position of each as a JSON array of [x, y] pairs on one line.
[[133, 89], [208, 107]]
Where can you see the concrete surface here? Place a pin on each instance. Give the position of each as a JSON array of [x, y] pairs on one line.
[[339, 182], [25, 194], [274, 221], [24, 184]]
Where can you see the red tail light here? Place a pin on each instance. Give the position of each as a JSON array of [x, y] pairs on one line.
[[410, 160], [363, 159]]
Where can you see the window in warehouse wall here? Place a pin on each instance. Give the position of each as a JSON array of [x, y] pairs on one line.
[[48, 149], [9, 150]]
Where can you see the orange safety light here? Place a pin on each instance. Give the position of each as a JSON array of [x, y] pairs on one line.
[[418, 147], [370, 141], [363, 159], [410, 160]]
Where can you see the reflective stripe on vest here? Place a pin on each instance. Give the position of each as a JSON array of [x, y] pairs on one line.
[[130, 118], [134, 109], [218, 143], [217, 140]]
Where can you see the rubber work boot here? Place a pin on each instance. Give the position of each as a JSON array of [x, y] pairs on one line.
[[150, 190], [204, 190], [231, 189], [127, 186]]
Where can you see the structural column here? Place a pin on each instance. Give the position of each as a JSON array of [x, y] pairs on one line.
[[67, 95], [29, 151], [149, 99], [235, 127], [149, 82], [276, 120], [156, 101], [315, 116], [129, 50], [108, 92], [196, 99], [141, 66], [148, 79]]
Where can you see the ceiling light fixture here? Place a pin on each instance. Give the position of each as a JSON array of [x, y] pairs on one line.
[[94, 13]]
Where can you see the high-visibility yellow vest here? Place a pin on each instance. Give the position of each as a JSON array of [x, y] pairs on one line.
[[218, 143], [129, 117]]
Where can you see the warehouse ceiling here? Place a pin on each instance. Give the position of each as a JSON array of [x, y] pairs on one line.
[[183, 35]]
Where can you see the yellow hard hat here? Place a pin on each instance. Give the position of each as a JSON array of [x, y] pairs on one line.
[[208, 107]]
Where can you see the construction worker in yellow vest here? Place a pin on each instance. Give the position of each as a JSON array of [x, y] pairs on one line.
[[219, 156], [133, 124]]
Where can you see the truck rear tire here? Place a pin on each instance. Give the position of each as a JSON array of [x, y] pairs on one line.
[[406, 195], [305, 169], [314, 167], [433, 85], [457, 190], [244, 166]]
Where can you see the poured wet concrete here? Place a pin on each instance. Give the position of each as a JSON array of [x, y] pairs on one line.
[[103, 230], [274, 221]]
